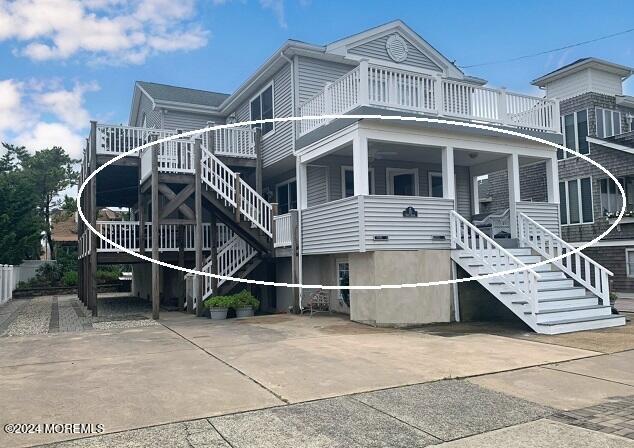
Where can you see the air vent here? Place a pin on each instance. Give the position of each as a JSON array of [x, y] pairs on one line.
[[396, 48]]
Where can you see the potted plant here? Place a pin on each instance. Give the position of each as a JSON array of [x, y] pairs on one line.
[[218, 306], [245, 304]]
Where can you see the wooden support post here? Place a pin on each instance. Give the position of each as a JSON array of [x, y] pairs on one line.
[[238, 198], [92, 277], [214, 253], [141, 212], [258, 160], [295, 259], [156, 289], [181, 263], [198, 236]]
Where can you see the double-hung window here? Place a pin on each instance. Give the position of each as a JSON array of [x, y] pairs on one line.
[[262, 109], [286, 196], [574, 128], [611, 199], [575, 201], [608, 122]]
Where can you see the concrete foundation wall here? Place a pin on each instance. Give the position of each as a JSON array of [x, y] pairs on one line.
[[406, 306], [171, 283]]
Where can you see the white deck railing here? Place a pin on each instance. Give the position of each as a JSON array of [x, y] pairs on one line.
[[232, 256], [283, 230], [371, 85], [232, 142], [117, 139], [581, 268], [7, 282], [484, 249]]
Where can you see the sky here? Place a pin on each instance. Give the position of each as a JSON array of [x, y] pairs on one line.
[[65, 62]]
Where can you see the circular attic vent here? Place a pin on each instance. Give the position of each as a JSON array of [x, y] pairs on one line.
[[396, 48]]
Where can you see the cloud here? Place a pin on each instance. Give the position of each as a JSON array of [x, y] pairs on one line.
[[42, 113], [111, 31], [277, 6]]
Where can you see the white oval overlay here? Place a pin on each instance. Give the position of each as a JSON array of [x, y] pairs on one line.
[[354, 117]]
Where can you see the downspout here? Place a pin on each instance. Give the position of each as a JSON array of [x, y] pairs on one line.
[[299, 210]]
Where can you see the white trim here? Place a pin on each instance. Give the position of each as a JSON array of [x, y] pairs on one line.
[[272, 86], [611, 145], [579, 200], [628, 273], [344, 168], [431, 174], [389, 178]]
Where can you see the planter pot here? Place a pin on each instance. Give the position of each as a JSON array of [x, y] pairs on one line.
[[244, 312], [218, 313]]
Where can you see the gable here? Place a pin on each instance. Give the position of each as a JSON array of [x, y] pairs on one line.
[[395, 48]]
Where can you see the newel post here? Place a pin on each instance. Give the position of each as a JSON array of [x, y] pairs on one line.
[[274, 211], [438, 95], [364, 82], [238, 197], [502, 107]]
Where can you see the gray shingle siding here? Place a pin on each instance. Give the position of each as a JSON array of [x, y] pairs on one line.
[[613, 258], [376, 49]]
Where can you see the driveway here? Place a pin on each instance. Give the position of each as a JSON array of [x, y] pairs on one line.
[[309, 381]]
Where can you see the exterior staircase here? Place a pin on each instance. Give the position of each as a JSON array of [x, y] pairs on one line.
[[568, 295]]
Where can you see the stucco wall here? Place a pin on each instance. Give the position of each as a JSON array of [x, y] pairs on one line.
[[405, 306]]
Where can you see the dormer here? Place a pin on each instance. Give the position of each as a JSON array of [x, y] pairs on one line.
[[584, 76]]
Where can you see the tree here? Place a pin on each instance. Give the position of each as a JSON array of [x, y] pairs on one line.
[[49, 172], [20, 223]]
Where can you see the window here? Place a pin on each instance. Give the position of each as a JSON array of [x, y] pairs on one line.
[[286, 196], [347, 181], [611, 199], [262, 109], [629, 262], [575, 201], [343, 279], [608, 122], [575, 130], [402, 182], [435, 185]]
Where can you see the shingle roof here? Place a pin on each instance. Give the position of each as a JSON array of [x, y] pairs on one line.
[[164, 92], [581, 63]]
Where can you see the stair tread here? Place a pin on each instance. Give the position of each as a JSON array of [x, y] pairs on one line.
[[556, 299], [581, 319], [575, 308], [563, 288]]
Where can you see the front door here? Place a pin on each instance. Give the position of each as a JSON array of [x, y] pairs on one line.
[[402, 182]]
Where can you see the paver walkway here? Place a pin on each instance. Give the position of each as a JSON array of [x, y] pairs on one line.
[[289, 381]]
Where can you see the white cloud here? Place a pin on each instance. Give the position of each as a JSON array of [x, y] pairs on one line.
[[277, 6], [109, 30], [46, 135], [11, 108], [68, 105]]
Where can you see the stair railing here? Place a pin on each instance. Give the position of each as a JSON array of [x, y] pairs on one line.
[[499, 222], [581, 268], [231, 257], [236, 192], [477, 244]]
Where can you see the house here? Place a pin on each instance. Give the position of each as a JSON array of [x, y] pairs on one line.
[[596, 121], [339, 202]]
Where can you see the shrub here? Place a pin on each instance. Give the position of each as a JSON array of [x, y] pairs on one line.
[[108, 275], [219, 302], [245, 299], [70, 278]]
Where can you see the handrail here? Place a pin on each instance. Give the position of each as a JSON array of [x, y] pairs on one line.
[[231, 256], [118, 139], [485, 249], [550, 245]]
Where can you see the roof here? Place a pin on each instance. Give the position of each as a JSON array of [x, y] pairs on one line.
[[64, 228], [582, 64], [165, 92]]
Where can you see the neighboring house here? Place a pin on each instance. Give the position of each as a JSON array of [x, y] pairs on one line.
[[339, 202], [64, 232]]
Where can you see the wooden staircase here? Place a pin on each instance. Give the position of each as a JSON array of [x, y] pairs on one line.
[[558, 297]]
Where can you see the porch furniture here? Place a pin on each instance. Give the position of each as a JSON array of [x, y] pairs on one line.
[[317, 302]]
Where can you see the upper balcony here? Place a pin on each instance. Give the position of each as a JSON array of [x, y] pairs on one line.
[[389, 88], [114, 140]]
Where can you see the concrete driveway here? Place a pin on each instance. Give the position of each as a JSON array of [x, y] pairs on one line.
[[186, 369]]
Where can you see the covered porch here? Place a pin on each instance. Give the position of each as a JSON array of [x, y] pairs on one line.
[[387, 186]]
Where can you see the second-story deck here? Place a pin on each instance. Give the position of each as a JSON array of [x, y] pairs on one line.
[[411, 92]]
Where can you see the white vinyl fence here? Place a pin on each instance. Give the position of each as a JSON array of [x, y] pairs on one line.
[[7, 283]]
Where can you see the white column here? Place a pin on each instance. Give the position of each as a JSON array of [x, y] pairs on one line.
[[302, 185], [476, 195], [364, 84], [448, 176], [513, 169], [552, 179], [360, 164]]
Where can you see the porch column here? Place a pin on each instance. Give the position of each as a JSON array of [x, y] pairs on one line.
[[552, 180], [302, 184], [360, 164], [513, 169], [448, 176], [476, 195]]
